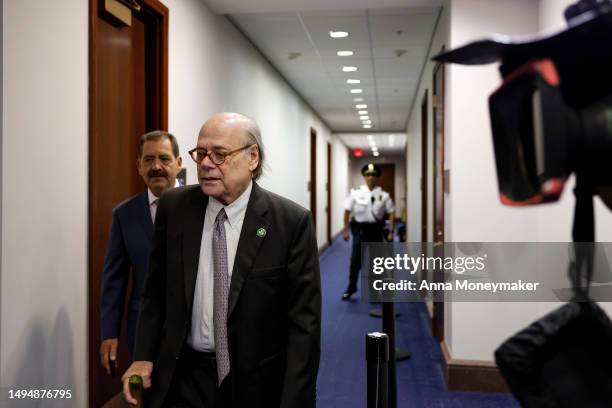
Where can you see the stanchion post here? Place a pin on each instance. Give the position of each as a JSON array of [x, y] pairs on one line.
[[388, 321], [377, 357]]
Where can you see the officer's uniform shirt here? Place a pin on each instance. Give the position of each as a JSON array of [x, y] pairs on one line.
[[368, 206]]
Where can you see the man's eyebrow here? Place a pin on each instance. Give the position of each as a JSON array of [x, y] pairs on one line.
[[215, 147]]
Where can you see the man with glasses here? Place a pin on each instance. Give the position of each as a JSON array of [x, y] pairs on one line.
[[231, 309], [129, 242]]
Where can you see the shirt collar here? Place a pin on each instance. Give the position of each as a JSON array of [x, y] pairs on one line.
[[365, 188], [236, 210], [153, 198]]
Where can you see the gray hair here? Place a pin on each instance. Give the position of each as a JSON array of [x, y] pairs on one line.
[[155, 136], [254, 137]]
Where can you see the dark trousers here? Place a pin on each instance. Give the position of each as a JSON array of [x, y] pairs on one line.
[[362, 232], [194, 384]]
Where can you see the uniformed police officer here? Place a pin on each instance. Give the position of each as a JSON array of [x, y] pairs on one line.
[[366, 208]]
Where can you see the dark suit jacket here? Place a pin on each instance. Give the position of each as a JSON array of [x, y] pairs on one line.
[[274, 306], [129, 245]]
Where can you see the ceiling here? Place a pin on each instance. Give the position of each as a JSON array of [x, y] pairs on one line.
[[390, 48]]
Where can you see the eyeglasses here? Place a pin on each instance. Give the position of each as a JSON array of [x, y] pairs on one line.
[[216, 157]]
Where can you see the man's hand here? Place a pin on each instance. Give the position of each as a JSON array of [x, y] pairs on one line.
[[345, 234], [141, 368], [108, 353]]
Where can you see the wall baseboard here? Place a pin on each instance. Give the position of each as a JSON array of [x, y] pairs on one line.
[[471, 375], [325, 246]]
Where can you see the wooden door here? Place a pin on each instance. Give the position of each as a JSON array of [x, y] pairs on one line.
[[328, 187], [128, 97], [438, 188], [424, 170], [312, 184], [386, 181]]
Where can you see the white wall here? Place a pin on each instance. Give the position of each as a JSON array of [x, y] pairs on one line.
[[340, 182], [474, 211], [44, 197]]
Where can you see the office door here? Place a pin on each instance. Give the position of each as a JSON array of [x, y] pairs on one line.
[[128, 96], [438, 189]]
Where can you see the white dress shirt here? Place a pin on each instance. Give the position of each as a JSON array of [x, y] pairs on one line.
[[201, 336], [153, 200], [369, 206]]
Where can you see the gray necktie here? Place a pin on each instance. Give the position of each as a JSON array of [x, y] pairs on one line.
[[221, 290]]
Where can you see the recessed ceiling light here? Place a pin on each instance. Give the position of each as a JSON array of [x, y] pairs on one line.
[[372, 143], [353, 81], [349, 69], [364, 117], [370, 137], [362, 112], [356, 90], [357, 99], [374, 148], [367, 126], [376, 154], [361, 106], [345, 53], [366, 122], [338, 34]]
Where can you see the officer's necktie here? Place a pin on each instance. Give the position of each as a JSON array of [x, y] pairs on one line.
[[221, 290]]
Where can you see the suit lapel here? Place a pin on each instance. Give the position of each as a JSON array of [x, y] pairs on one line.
[[249, 243], [193, 228], [144, 216]]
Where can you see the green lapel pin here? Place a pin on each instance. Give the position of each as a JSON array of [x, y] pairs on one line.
[[261, 232]]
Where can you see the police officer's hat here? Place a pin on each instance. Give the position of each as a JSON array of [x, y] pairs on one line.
[[371, 169]]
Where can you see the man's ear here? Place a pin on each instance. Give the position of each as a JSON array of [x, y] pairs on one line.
[[254, 158]]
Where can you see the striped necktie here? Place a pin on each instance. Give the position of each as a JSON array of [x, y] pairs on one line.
[[221, 291]]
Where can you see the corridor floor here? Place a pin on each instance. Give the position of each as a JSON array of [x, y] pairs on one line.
[[342, 374]]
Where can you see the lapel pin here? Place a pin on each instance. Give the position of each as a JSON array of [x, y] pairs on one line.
[[261, 232]]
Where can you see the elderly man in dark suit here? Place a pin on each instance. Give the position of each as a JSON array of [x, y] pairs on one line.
[[231, 309], [129, 243]]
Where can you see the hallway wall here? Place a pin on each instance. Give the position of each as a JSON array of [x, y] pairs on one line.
[[44, 197], [340, 182]]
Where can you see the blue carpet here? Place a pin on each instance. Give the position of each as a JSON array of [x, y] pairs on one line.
[[342, 374]]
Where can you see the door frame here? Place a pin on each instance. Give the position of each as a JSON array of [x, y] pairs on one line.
[[159, 106], [312, 185], [424, 168], [438, 189], [329, 193]]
